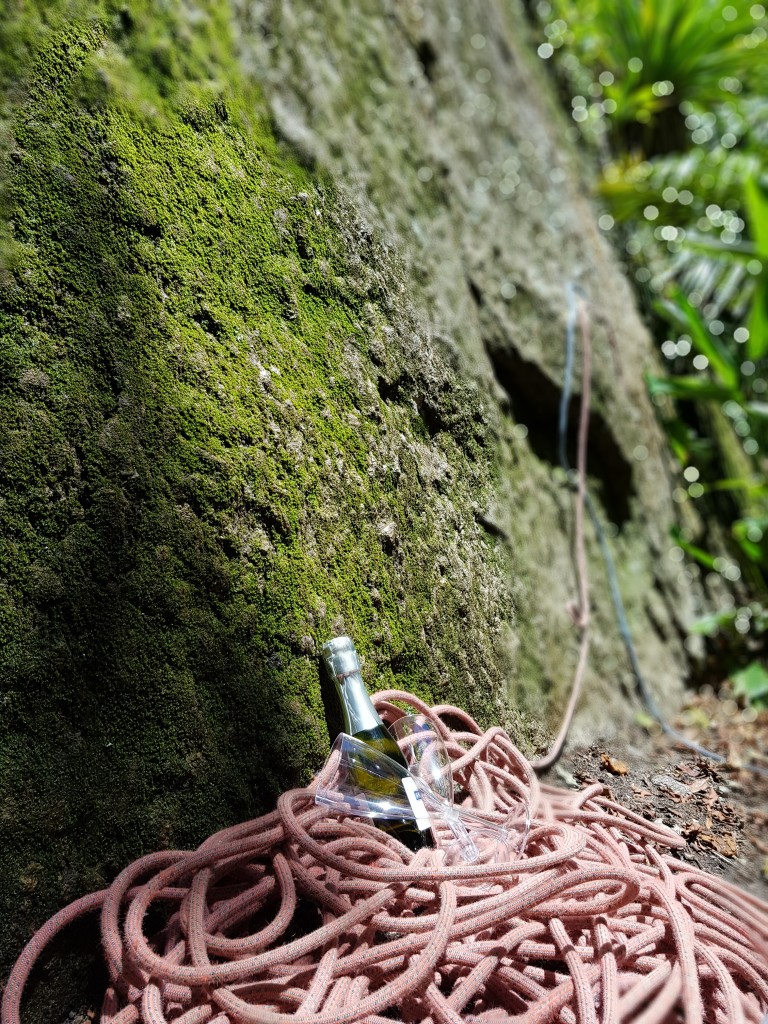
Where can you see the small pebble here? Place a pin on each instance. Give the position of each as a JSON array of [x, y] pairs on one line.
[[671, 785], [565, 776]]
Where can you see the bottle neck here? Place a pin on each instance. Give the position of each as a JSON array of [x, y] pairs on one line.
[[356, 706]]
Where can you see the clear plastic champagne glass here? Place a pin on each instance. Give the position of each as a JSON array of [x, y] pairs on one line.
[[362, 780], [477, 838]]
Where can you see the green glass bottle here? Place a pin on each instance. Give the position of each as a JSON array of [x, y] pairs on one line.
[[362, 721]]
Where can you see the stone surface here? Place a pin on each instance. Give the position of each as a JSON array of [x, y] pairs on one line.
[[258, 392], [440, 120]]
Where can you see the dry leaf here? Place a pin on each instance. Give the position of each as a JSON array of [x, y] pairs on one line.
[[728, 846], [613, 765], [724, 845]]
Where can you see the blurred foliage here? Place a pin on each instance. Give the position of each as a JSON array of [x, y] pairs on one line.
[[673, 96], [649, 57], [751, 683]]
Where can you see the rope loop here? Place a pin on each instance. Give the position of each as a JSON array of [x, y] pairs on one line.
[[299, 917]]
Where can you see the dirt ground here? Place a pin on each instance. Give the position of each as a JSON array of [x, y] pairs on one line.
[[721, 809]]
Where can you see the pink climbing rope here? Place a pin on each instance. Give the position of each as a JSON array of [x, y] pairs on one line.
[[581, 614], [299, 917]]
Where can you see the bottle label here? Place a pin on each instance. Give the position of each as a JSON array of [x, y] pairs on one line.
[[417, 804]]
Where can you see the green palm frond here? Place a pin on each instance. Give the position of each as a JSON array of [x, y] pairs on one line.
[[716, 263], [692, 45], [659, 54], [716, 176], [724, 286]]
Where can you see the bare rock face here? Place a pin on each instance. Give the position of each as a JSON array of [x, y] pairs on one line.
[[257, 392], [440, 121]]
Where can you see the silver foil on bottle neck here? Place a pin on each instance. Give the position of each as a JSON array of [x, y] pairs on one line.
[[340, 657], [343, 665]]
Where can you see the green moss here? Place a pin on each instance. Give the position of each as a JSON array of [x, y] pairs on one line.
[[210, 462]]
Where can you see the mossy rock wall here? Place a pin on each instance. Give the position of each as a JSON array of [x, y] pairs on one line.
[[270, 335], [444, 120]]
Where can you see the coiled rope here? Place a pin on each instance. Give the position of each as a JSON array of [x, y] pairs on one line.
[[299, 917]]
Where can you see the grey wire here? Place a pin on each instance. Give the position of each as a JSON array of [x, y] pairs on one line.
[[572, 291]]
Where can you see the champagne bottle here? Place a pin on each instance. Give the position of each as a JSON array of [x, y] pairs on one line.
[[362, 721]]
